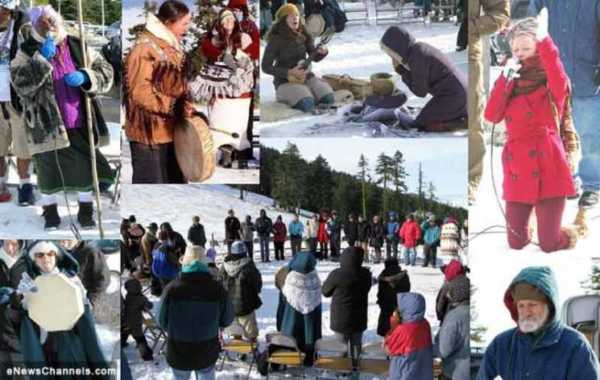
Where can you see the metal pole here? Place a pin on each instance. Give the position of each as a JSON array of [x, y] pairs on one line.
[[88, 111], [103, 31]]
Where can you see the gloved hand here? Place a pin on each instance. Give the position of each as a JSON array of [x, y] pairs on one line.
[[542, 30], [48, 49], [246, 40], [511, 69], [26, 285], [76, 78], [5, 293]]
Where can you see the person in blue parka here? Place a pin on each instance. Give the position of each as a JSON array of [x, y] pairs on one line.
[[541, 346], [75, 348]]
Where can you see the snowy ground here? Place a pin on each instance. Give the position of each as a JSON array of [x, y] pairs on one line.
[[491, 257], [28, 223], [212, 202], [356, 52]]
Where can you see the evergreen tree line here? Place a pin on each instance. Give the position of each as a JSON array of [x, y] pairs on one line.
[[377, 188], [92, 10]]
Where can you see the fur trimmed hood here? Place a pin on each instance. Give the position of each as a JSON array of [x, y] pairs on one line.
[[302, 291], [159, 30]]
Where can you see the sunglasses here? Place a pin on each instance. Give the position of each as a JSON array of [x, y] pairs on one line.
[[40, 255]]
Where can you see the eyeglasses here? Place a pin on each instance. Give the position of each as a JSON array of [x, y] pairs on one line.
[[39, 255]]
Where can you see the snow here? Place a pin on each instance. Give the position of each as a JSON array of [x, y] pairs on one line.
[[356, 52], [490, 257], [444, 160], [211, 204], [28, 223]]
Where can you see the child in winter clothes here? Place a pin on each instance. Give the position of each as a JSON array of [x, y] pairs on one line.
[[540, 154], [392, 280], [135, 304], [409, 340]]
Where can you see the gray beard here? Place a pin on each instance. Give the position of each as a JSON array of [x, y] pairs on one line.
[[532, 325]]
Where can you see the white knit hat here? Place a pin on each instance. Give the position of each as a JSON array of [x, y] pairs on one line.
[[43, 246], [10, 4]]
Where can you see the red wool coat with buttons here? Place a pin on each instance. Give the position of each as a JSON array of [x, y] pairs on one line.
[[534, 160], [410, 233]]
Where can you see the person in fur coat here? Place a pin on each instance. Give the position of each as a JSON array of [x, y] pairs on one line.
[[531, 96], [48, 75]]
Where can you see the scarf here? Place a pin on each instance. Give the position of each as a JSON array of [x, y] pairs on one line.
[[533, 76]]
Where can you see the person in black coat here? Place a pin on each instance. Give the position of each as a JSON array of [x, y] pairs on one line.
[[376, 237], [351, 231], [349, 287], [232, 229], [93, 270], [9, 343], [196, 234], [134, 304], [177, 241], [427, 70], [363, 235], [392, 280]]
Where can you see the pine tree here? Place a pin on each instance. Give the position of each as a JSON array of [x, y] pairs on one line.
[[592, 284], [319, 181], [477, 330], [385, 169], [431, 192], [420, 187], [363, 166], [287, 189]]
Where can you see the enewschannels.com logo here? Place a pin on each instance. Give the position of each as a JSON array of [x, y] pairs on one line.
[[50, 371]]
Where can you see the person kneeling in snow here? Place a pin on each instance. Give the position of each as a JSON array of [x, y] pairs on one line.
[[426, 70], [49, 77], [408, 342], [74, 348], [288, 43], [540, 347]]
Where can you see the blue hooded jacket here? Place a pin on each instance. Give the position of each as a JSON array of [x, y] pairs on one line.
[[557, 352], [575, 28]]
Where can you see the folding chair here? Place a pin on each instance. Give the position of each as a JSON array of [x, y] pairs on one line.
[[238, 346], [154, 332], [374, 360], [330, 355], [286, 353], [583, 314]]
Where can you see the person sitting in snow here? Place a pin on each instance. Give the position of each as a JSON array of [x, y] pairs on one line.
[[135, 303], [391, 281], [349, 287], [288, 43], [426, 70], [243, 282], [540, 346], [540, 155], [299, 308], [74, 348], [49, 77], [408, 343]]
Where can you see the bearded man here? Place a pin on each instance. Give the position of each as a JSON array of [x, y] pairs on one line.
[[541, 346]]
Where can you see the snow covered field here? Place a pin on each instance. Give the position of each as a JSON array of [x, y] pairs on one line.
[[211, 203], [27, 222], [490, 257], [356, 52]]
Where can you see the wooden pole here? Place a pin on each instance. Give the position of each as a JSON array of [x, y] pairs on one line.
[[88, 111]]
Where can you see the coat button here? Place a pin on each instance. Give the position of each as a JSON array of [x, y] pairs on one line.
[[509, 157], [514, 177], [508, 119], [529, 115], [532, 153], [535, 173]]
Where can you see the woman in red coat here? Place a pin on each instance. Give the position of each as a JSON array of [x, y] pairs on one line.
[[323, 235], [279, 238], [229, 101], [535, 165]]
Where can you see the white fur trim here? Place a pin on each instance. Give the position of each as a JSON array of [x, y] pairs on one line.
[[8, 260], [158, 29], [302, 292], [43, 246]]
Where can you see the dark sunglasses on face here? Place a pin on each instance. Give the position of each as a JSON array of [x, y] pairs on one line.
[[40, 255]]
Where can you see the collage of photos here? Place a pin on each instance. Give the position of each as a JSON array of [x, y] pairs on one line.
[[286, 189]]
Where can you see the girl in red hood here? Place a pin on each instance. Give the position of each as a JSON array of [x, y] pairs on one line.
[[323, 235], [531, 97]]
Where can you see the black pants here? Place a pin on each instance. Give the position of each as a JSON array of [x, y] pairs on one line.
[[229, 244], [279, 250], [430, 253], [335, 245], [323, 250], [296, 242], [250, 249], [155, 164], [391, 248]]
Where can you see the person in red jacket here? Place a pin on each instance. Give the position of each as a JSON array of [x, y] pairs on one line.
[[229, 106], [323, 235], [408, 343], [410, 233], [529, 96], [279, 238]]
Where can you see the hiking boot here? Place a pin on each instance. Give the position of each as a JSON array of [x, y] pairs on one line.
[[589, 199], [51, 218], [4, 195], [85, 216], [226, 156], [26, 195]]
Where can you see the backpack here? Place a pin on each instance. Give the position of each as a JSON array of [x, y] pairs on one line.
[[161, 267]]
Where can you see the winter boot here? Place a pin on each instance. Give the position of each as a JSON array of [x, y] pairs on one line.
[[144, 349], [589, 199], [51, 218], [26, 195], [4, 195], [572, 234], [85, 216], [306, 105]]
